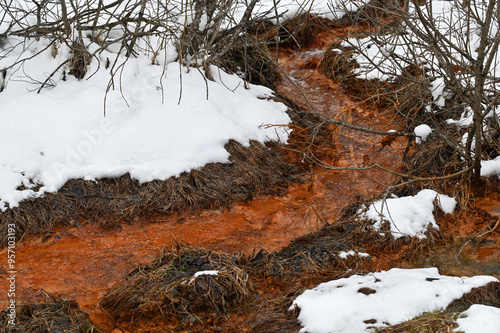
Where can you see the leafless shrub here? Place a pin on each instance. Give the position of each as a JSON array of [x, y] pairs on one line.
[[204, 32], [433, 60]]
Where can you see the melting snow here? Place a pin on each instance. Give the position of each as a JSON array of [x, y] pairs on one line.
[[479, 319], [361, 302], [409, 216], [422, 132]]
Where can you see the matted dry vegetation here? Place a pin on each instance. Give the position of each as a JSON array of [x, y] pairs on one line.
[[53, 315], [186, 282]]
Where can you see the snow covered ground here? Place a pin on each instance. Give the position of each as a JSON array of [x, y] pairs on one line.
[[159, 120], [409, 216], [62, 132], [361, 303], [479, 319]]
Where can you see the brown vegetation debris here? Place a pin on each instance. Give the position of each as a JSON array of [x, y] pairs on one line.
[[53, 315], [433, 322], [251, 60], [170, 286], [298, 32], [488, 295], [338, 62]]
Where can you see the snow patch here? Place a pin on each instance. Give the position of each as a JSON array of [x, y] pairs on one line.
[[344, 254], [361, 302], [409, 216], [62, 132], [490, 168], [200, 273], [479, 319], [422, 132]]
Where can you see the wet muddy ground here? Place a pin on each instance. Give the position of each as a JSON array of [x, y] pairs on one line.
[[82, 262]]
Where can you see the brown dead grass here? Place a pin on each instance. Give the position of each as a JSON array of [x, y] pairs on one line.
[[53, 315], [251, 59], [297, 32], [168, 286], [435, 322], [487, 295]]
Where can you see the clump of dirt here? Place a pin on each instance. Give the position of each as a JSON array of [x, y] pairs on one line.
[[187, 282], [53, 315]]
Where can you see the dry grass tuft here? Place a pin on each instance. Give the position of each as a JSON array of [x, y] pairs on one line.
[[434, 322], [487, 295], [338, 63], [297, 32], [272, 316], [435, 157], [80, 59], [54, 315], [169, 286]]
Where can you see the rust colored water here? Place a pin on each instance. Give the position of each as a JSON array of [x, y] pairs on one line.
[[83, 263]]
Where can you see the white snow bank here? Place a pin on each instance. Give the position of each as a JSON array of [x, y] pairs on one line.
[[479, 319], [409, 216], [357, 303], [61, 133], [422, 132]]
